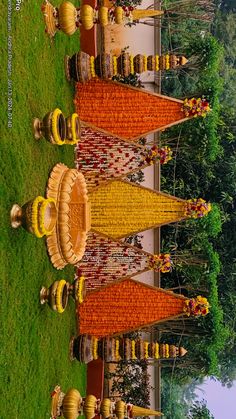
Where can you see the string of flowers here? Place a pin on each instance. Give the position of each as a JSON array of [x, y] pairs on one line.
[[131, 59], [157, 68], [43, 205], [167, 63], [197, 208], [75, 139], [92, 65], [196, 107], [80, 290], [115, 68], [133, 354], [55, 132], [167, 353], [146, 345], [196, 306], [144, 63], [95, 348], [156, 353], [117, 347], [34, 216], [59, 293]]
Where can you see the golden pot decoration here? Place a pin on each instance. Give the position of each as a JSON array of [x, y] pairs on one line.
[[103, 15], [119, 15], [77, 67], [56, 295], [120, 409], [81, 348], [67, 18], [86, 16], [37, 216], [52, 127], [105, 408], [89, 407], [71, 404]]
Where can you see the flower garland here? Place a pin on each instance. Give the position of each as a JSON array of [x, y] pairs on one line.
[[133, 354], [144, 63], [95, 348], [59, 292], [156, 352], [196, 107], [157, 67], [117, 347], [167, 62], [146, 345], [56, 136], [80, 290], [41, 217], [115, 67], [196, 306], [161, 263], [92, 65], [75, 139], [197, 208], [167, 351], [35, 215], [131, 59]]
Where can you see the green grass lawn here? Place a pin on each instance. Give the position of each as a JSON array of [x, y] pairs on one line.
[[34, 340]]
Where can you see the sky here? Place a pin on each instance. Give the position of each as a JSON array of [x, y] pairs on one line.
[[221, 401]]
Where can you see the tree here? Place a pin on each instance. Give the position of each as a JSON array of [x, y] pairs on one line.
[[199, 410]]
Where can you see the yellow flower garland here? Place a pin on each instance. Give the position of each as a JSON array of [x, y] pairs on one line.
[[131, 60], [56, 137], [117, 346], [41, 216], [75, 139], [59, 291], [167, 351], [144, 63], [92, 66], [167, 61], [157, 68], [95, 348], [79, 294], [157, 354], [146, 345], [34, 216], [133, 355], [115, 68]]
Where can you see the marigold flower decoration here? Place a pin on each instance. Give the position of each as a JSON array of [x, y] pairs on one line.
[[163, 154], [161, 263], [197, 208], [79, 292], [196, 107], [196, 306]]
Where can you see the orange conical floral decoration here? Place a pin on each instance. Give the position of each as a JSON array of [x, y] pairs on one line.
[[129, 305], [130, 112]]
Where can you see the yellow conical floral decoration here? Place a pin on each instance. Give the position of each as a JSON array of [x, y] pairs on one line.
[[141, 411], [143, 14], [121, 208]]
